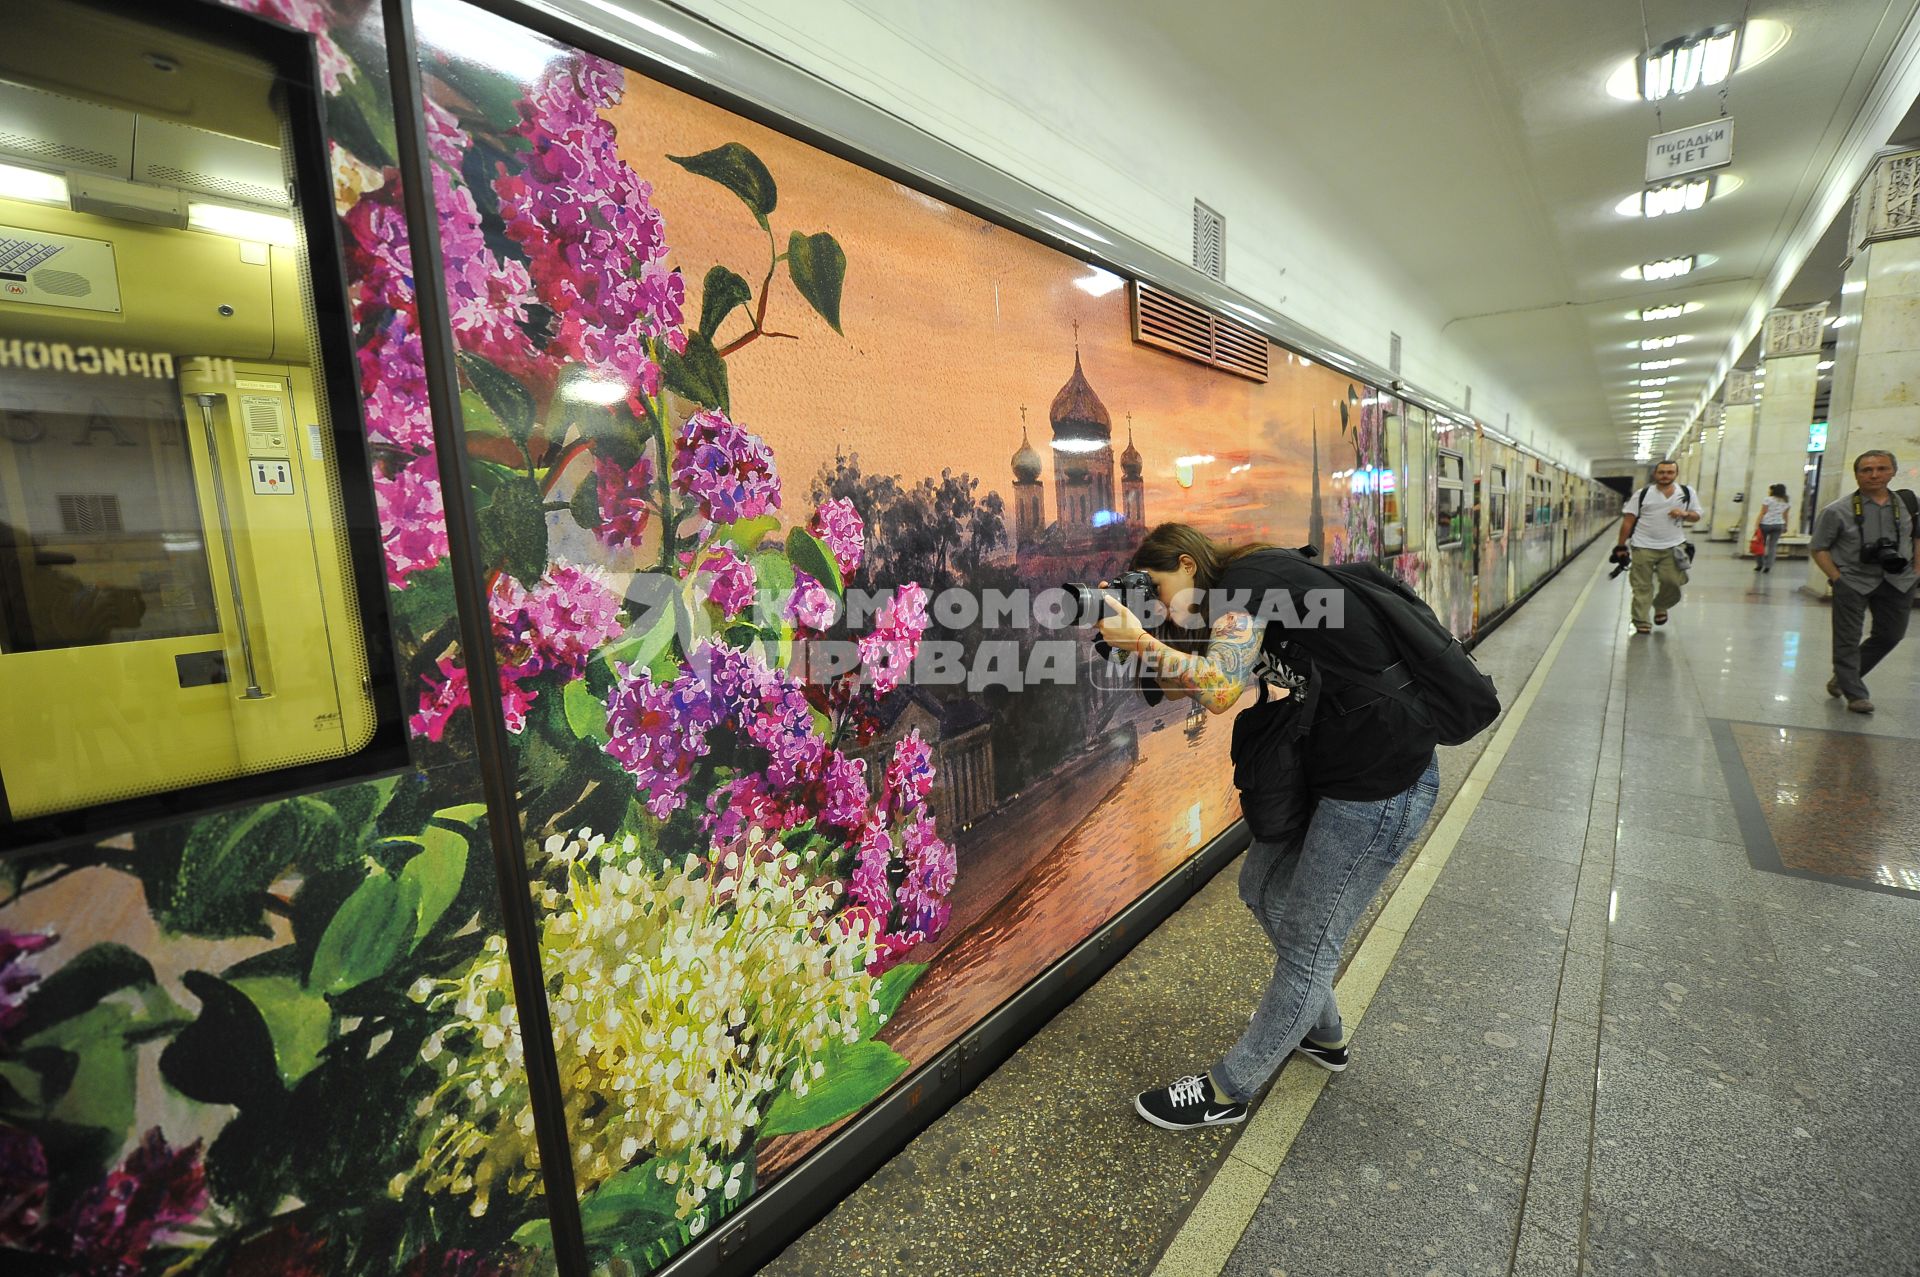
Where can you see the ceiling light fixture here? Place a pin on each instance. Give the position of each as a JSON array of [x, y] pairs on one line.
[[1655, 381], [1651, 313], [31, 184], [1680, 66], [243, 223], [1759, 40], [1664, 343], [1665, 268], [1655, 365], [1678, 197], [1823, 365]]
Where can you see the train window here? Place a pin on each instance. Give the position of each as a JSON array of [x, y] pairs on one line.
[[189, 560], [1393, 527], [1497, 501], [1450, 490], [1413, 480]]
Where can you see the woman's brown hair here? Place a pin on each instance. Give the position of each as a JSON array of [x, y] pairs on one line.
[[1162, 548]]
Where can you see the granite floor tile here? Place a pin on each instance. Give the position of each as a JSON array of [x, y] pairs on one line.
[[1549, 833], [1674, 774], [1516, 882], [1473, 1078], [1365, 1194], [1715, 868], [1616, 1249], [1730, 1168], [1563, 1137], [1658, 814], [1730, 1022], [1572, 794], [1581, 984], [1540, 1253], [1465, 959], [1699, 925]]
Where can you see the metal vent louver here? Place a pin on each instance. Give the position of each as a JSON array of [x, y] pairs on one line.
[[1209, 242], [90, 512], [1173, 323]]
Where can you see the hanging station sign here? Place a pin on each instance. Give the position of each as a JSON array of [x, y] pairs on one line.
[[1690, 150], [1817, 437]]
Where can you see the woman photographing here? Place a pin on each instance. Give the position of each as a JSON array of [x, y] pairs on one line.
[[1368, 770]]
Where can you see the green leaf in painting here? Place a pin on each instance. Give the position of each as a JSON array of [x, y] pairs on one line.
[[855, 1077], [890, 990], [585, 503], [226, 1056], [97, 973], [807, 553], [98, 1092], [586, 714], [747, 534], [513, 528], [700, 374], [372, 928], [231, 858], [361, 122], [297, 1021], [740, 171], [722, 292], [773, 573], [819, 268], [433, 877], [468, 814], [641, 649], [425, 603], [510, 402], [476, 418]]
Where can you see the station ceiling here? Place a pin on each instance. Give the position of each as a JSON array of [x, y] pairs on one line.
[[1496, 158]]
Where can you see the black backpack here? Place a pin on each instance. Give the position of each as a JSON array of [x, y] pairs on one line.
[[1443, 683]]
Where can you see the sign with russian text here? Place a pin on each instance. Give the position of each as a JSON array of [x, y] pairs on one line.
[[1690, 150]]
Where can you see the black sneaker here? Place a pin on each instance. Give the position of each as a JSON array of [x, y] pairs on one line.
[[1331, 1058], [1187, 1105]]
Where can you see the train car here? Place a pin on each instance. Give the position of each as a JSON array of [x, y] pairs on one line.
[[508, 768], [1499, 553]]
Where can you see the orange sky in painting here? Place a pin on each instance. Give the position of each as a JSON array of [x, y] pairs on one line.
[[951, 325]]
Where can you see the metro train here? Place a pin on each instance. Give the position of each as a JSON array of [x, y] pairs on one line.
[[438, 441]]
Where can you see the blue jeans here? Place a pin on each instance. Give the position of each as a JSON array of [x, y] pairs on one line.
[[1770, 542], [1309, 897]]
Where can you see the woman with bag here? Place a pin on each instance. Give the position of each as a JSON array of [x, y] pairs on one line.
[[1337, 778], [1773, 521]]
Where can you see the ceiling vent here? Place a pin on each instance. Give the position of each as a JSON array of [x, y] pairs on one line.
[[41, 127], [1173, 323], [207, 163], [1209, 242]]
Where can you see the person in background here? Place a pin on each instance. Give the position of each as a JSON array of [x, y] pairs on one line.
[[1866, 544], [1655, 529], [1773, 521]]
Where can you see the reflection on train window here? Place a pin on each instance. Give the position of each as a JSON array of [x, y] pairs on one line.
[[1393, 528], [1413, 483], [186, 551], [1450, 489], [1497, 501]]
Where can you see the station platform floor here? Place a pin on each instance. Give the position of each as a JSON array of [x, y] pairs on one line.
[[1642, 1000]]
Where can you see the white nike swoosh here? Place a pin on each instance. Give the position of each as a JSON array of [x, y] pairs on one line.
[[1211, 1116]]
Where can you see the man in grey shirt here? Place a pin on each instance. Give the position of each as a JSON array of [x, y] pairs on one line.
[[1866, 544]]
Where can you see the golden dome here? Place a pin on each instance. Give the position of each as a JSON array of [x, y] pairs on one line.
[[1077, 412], [1026, 462]]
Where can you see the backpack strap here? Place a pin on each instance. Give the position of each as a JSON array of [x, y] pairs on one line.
[[1913, 510]]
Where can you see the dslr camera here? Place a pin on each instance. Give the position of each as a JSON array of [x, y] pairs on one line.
[[1133, 590], [1885, 555]]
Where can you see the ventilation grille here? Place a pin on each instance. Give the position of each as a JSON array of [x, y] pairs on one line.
[[64, 153], [90, 512], [1209, 242], [192, 180], [62, 283], [1173, 323], [262, 413]]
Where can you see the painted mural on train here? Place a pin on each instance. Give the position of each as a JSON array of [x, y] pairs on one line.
[[718, 389]]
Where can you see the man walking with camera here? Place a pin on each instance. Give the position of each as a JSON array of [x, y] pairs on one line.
[[1866, 543], [1655, 527]]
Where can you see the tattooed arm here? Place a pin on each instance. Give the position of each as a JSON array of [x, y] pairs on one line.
[[1217, 678]]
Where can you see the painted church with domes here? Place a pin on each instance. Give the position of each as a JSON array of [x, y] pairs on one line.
[[1091, 535]]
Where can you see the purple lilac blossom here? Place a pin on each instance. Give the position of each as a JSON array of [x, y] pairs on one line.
[[811, 606], [869, 886], [845, 783], [625, 497], [838, 524], [731, 581], [312, 17], [656, 731], [728, 471], [909, 775], [413, 526], [155, 1190], [440, 701], [887, 651]]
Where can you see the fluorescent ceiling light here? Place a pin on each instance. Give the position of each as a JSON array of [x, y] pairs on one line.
[[1678, 197], [1692, 62], [1664, 343], [32, 185], [1823, 365], [1762, 38], [1097, 282], [1857, 286], [1654, 365], [242, 223], [1655, 381], [1653, 394], [1665, 268]]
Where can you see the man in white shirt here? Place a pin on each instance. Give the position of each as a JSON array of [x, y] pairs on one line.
[[1655, 526]]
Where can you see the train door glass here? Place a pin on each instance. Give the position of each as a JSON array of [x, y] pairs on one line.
[[1413, 482], [1497, 502], [188, 554], [1810, 492], [1393, 527], [1450, 511]]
